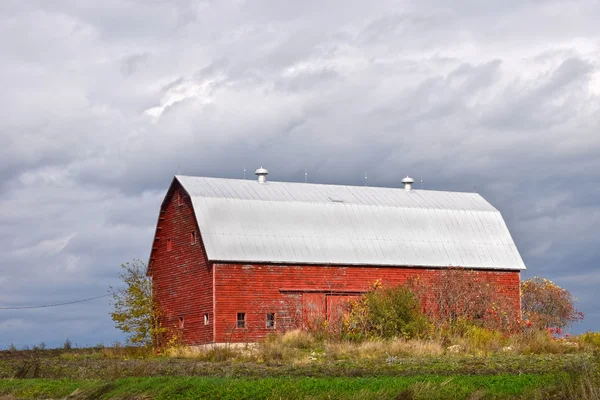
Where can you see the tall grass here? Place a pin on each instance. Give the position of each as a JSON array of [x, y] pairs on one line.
[[300, 347]]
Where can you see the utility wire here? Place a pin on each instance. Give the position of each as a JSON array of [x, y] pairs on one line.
[[55, 305]]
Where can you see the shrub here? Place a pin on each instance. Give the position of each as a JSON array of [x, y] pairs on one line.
[[386, 313], [458, 298], [547, 306], [484, 339], [591, 339]]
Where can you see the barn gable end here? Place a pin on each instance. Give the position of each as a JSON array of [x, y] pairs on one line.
[[182, 276]]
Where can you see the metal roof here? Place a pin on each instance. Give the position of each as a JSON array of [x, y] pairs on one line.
[[302, 223]]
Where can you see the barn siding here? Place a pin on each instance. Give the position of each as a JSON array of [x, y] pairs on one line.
[[182, 279], [290, 291]]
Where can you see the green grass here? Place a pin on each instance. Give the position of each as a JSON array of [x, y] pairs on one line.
[[416, 387], [27, 366]]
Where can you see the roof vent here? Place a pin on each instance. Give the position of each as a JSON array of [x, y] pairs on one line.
[[262, 175], [408, 181]]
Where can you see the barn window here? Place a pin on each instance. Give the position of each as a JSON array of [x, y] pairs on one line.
[[241, 320], [181, 322], [169, 244], [193, 238], [206, 319], [270, 320], [179, 199]]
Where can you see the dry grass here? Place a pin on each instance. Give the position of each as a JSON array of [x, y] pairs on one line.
[[211, 352], [296, 338], [383, 348], [480, 341], [119, 352], [541, 342], [299, 348]]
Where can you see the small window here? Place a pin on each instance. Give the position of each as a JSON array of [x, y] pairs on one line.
[[179, 198], [270, 320], [193, 238], [206, 319], [169, 244], [241, 320], [181, 322]]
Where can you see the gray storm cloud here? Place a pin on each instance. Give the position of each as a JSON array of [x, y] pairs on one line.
[[103, 102]]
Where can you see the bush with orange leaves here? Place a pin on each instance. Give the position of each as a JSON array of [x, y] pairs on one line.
[[458, 298], [547, 306]]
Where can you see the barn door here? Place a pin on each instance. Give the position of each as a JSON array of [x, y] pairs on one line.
[[338, 305], [313, 310]]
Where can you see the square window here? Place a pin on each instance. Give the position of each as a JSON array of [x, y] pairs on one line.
[[169, 244], [270, 320], [181, 322], [193, 238], [241, 320], [206, 319]]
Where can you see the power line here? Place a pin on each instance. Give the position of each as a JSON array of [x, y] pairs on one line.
[[55, 305]]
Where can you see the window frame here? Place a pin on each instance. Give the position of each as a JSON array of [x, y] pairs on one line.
[[206, 319], [270, 321], [242, 321]]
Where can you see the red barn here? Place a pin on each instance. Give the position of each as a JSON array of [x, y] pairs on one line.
[[234, 260]]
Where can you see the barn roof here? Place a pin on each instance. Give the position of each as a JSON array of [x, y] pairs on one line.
[[302, 223]]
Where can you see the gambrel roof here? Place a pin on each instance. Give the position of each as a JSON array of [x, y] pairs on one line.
[[302, 223]]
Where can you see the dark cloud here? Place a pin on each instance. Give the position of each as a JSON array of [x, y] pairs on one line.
[[103, 103]]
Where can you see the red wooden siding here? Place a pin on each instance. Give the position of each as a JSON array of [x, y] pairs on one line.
[[302, 294], [182, 278]]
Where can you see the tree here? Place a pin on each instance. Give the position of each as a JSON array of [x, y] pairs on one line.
[[134, 311], [547, 306]]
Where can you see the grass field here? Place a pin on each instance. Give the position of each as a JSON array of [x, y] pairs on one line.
[[294, 367], [385, 387]]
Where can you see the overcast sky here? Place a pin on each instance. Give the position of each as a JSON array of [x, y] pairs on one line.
[[104, 101]]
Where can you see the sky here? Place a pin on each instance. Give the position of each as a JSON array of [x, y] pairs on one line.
[[104, 101]]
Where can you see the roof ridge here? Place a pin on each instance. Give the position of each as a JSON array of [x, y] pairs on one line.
[[329, 184]]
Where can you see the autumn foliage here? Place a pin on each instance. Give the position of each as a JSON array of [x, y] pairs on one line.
[[547, 306], [458, 296]]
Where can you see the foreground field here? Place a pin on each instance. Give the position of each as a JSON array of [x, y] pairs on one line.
[[296, 365], [88, 374], [386, 387], [92, 365]]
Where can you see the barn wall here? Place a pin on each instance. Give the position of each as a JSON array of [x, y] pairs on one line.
[[182, 278], [300, 294]]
